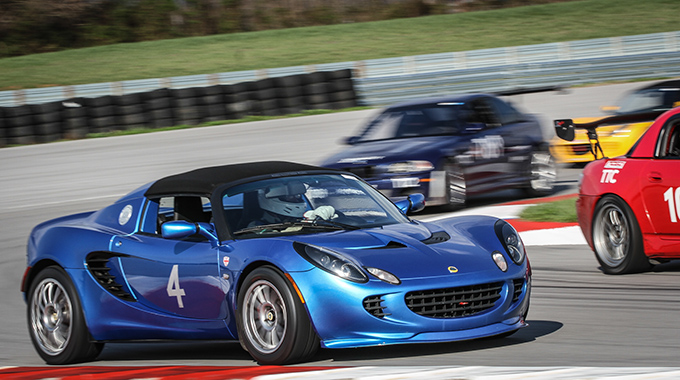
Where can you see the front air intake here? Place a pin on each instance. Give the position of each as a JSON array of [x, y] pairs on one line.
[[458, 302]]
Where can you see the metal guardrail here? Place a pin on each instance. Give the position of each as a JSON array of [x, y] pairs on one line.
[[388, 80]]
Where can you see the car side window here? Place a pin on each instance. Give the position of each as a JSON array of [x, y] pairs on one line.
[[189, 208], [482, 112], [673, 144], [507, 114]]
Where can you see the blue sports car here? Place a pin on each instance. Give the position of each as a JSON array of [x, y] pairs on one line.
[[284, 257], [450, 149]]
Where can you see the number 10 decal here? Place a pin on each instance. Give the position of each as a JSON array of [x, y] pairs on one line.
[[173, 286], [673, 199]]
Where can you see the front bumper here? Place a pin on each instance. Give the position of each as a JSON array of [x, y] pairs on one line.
[[341, 320]]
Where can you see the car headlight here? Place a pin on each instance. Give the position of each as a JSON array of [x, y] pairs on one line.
[[511, 241], [499, 259], [331, 262], [410, 167], [384, 275]]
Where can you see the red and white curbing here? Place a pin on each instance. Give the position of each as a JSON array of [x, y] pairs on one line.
[[532, 233], [483, 373]]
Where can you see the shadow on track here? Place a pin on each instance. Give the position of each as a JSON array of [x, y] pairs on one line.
[[535, 330], [173, 352]]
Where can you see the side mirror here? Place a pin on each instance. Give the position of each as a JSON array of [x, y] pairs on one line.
[[351, 140], [412, 203], [565, 129], [178, 229], [181, 229]]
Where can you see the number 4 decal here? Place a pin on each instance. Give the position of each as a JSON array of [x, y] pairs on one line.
[[173, 286], [673, 199]]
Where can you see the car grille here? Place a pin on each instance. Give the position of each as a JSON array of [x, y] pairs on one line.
[[96, 264], [373, 305], [457, 302], [361, 171], [518, 285]]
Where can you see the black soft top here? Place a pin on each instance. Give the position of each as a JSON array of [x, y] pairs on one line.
[[206, 180]]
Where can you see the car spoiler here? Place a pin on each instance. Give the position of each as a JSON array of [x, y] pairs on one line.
[[564, 128]]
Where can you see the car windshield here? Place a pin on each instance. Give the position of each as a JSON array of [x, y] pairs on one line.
[[306, 204], [423, 120], [643, 101]]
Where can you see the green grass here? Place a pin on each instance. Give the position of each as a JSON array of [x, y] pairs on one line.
[[526, 25], [558, 211]]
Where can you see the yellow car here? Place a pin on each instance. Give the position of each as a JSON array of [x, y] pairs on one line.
[[617, 139]]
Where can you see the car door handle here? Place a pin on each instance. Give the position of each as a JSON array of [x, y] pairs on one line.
[[654, 177]]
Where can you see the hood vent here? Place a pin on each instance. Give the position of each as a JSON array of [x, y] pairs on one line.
[[437, 237], [97, 265], [391, 245]]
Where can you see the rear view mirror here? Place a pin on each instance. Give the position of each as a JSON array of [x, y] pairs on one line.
[[351, 140], [565, 129]]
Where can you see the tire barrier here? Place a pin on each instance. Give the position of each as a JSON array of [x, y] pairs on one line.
[[75, 118]]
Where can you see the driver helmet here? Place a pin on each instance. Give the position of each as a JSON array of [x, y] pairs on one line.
[[285, 200]]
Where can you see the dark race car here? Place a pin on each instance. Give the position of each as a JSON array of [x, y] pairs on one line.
[[284, 257], [629, 206], [450, 149]]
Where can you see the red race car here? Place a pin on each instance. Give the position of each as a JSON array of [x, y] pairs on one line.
[[629, 206]]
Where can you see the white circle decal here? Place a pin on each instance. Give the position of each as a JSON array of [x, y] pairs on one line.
[[125, 215]]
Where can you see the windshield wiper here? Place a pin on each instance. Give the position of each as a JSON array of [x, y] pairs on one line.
[[332, 223], [281, 226]]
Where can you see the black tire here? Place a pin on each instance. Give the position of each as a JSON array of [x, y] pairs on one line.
[[289, 81], [130, 109], [316, 89], [274, 328], [289, 92], [47, 129], [133, 120], [456, 187], [129, 99], [217, 90], [48, 117], [103, 111], [186, 102], [315, 77], [101, 101], [55, 320], [343, 85], [214, 99], [159, 104], [542, 174], [316, 99], [617, 239]]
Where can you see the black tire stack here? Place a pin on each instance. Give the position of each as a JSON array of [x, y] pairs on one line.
[[3, 133], [240, 100], [341, 92], [76, 117], [188, 105], [213, 103], [102, 114], [19, 125], [158, 105], [131, 112], [47, 122], [290, 94], [76, 121]]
